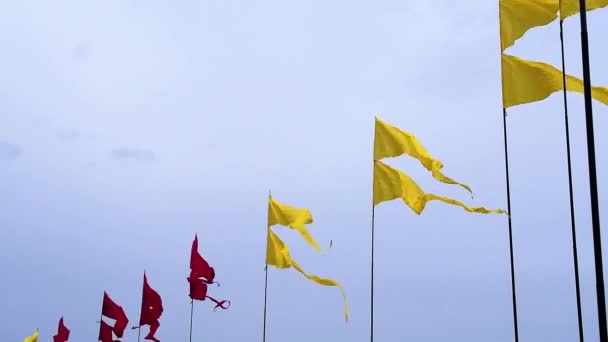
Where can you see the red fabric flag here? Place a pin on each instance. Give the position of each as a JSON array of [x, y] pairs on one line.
[[115, 312], [63, 333], [202, 275], [199, 265], [151, 310], [105, 333]]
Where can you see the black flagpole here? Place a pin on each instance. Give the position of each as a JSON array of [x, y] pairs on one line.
[[371, 338], [266, 279], [265, 296], [581, 336], [595, 212], [515, 327]]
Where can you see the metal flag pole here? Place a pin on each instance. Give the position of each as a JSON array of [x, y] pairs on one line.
[[514, 296], [266, 280], [595, 212], [581, 336], [191, 316]]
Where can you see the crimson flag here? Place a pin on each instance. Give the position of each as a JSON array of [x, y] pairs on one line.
[[201, 275], [115, 312], [105, 333], [151, 310], [63, 333]]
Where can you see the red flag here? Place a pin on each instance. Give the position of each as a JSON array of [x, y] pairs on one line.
[[151, 310], [115, 312], [199, 265], [201, 275], [63, 333], [105, 333]]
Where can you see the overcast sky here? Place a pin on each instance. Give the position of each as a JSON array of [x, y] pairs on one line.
[[128, 126]]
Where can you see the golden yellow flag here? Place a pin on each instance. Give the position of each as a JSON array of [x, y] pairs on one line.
[[518, 16], [571, 7], [277, 254], [390, 184], [294, 218], [525, 81], [390, 141], [33, 338]]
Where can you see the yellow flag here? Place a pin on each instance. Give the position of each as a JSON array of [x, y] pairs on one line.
[[571, 7], [294, 218], [33, 338], [390, 184], [526, 81], [390, 141], [277, 254], [518, 16]]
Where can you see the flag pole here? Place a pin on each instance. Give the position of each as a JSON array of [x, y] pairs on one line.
[[595, 213], [191, 316], [266, 279], [371, 337], [515, 327], [581, 336], [371, 309]]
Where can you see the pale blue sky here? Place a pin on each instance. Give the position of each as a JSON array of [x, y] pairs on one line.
[[127, 126]]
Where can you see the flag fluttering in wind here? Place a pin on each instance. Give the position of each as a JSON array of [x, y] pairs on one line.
[[526, 81], [114, 311], [106, 333], [201, 276], [33, 338], [519, 16], [277, 252], [571, 7], [294, 218], [151, 310], [390, 184], [63, 333], [390, 141]]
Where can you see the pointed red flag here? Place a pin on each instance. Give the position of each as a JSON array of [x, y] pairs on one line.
[[105, 333], [63, 333], [115, 312], [201, 275], [199, 265], [151, 310]]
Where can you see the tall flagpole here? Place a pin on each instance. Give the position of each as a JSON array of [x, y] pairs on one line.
[[595, 212], [191, 316], [508, 183], [514, 296], [371, 313], [581, 336], [142, 303], [266, 279], [371, 336]]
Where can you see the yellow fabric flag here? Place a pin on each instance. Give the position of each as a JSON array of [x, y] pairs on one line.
[[294, 218], [571, 7], [33, 338], [525, 81], [390, 141], [390, 184], [277, 254], [518, 16]]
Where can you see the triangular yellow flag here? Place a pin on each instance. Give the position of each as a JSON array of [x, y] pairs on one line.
[[571, 7], [390, 141], [33, 338], [294, 218], [518, 16], [390, 184], [525, 81], [277, 254]]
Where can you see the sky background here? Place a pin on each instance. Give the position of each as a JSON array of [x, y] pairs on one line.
[[129, 126]]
